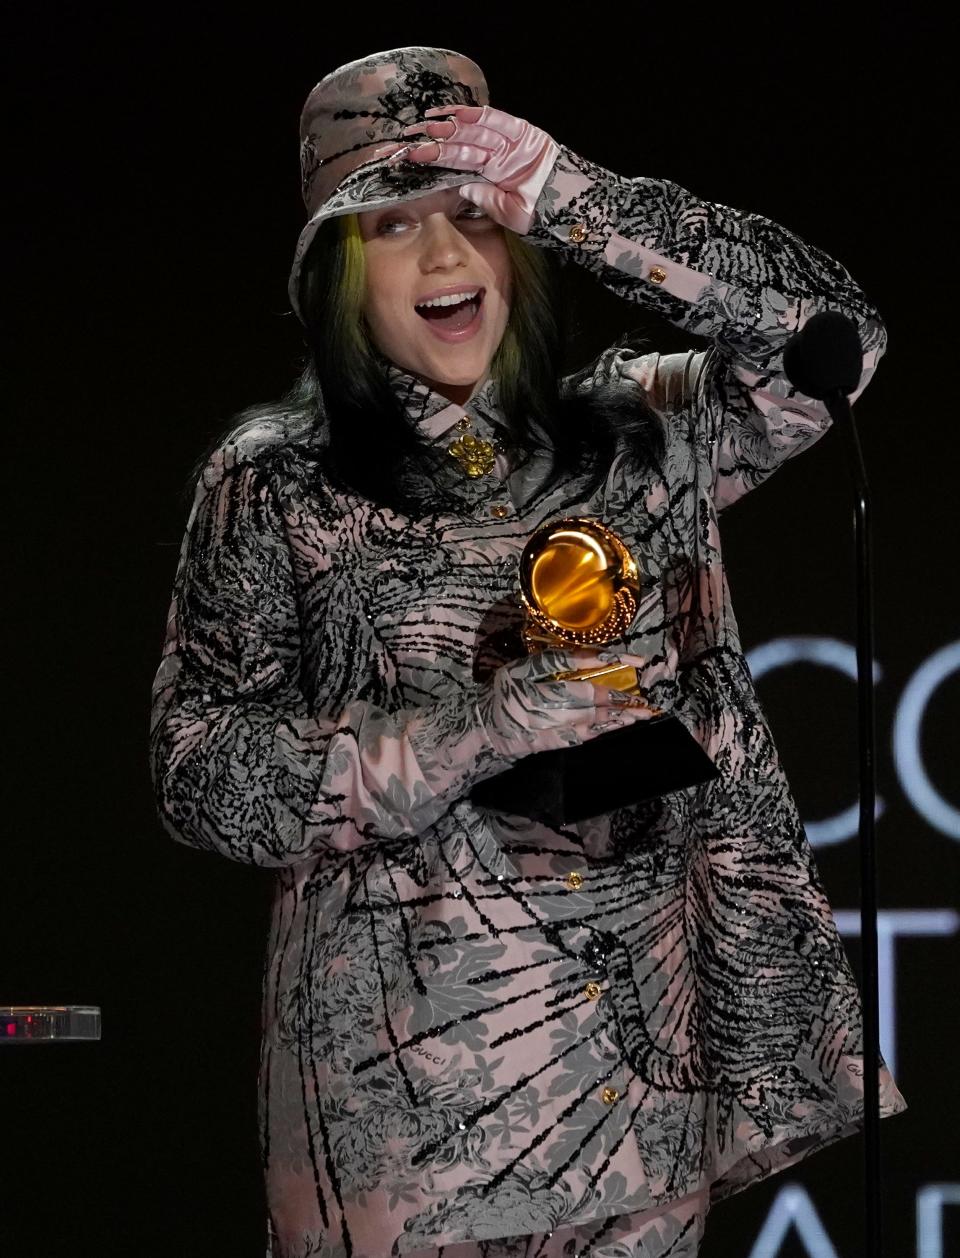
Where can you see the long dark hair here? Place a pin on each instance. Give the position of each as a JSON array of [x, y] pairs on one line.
[[343, 386]]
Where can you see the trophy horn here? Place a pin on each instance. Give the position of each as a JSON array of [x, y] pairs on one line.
[[580, 586]]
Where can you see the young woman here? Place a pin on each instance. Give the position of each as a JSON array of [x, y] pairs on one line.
[[485, 1035]]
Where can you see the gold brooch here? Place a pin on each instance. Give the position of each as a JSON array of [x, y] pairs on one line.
[[474, 455]]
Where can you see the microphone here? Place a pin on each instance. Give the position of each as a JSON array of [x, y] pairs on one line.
[[825, 357]]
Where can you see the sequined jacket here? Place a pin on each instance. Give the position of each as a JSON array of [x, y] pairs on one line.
[[475, 1025]]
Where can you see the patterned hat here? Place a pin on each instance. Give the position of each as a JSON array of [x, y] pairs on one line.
[[357, 108]]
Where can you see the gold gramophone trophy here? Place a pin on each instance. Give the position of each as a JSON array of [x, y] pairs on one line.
[[580, 587]]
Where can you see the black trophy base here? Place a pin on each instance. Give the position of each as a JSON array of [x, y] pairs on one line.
[[612, 771]]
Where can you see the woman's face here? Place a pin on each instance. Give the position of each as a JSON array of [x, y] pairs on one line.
[[437, 246]]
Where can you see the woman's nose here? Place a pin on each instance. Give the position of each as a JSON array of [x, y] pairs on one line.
[[443, 245]]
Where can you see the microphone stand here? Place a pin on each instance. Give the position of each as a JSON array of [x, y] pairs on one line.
[[838, 404]]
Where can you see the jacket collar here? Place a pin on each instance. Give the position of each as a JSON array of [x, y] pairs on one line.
[[435, 418]]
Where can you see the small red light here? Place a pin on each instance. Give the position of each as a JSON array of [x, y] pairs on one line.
[[29, 1018], [11, 1028]]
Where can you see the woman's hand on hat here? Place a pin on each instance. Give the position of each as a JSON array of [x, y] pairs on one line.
[[512, 157]]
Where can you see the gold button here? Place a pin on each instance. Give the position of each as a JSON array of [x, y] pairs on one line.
[[578, 233], [593, 991], [499, 511], [609, 1096], [657, 275], [574, 881], [463, 424]]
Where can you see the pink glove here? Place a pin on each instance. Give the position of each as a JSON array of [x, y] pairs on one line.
[[522, 709], [514, 158]]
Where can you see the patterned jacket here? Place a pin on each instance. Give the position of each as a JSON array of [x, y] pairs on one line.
[[475, 1025]]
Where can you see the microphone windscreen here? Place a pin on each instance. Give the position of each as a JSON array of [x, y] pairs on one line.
[[825, 356]]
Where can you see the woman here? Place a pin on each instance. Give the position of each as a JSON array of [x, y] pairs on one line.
[[484, 1034]]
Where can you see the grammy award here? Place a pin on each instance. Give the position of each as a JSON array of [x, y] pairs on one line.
[[579, 586]]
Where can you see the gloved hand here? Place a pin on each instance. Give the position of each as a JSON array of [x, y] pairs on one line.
[[513, 156], [522, 711]]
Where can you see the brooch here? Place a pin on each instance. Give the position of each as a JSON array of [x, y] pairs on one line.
[[474, 455]]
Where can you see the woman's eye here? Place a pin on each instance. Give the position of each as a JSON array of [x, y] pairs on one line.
[[473, 211], [386, 226]]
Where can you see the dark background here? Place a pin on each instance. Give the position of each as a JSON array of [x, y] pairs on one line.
[[153, 175]]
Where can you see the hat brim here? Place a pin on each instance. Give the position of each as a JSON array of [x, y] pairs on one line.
[[373, 186]]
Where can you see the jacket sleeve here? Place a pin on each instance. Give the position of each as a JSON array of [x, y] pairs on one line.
[[241, 764], [736, 278]]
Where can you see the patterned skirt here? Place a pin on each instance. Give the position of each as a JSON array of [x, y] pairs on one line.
[[674, 1230]]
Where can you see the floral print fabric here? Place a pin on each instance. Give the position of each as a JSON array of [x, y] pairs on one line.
[[479, 1028], [671, 1231]]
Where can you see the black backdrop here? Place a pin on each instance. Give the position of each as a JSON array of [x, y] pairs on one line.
[[156, 196]]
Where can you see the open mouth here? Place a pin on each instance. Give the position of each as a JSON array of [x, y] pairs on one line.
[[452, 314]]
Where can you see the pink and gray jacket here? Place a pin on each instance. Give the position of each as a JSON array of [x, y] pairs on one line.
[[477, 1026]]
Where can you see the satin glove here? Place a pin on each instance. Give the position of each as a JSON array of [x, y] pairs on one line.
[[522, 709], [513, 157]]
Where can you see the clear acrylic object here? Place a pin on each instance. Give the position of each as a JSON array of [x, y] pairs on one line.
[[40, 1024]]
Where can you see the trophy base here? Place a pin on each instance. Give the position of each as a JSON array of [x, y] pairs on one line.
[[614, 770]]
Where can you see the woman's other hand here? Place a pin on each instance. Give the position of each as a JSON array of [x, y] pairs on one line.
[[513, 158], [524, 710]]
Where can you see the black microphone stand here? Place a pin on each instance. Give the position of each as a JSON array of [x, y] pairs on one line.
[[841, 412], [825, 360]]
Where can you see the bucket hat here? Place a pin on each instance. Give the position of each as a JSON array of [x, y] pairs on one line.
[[357, 108]]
